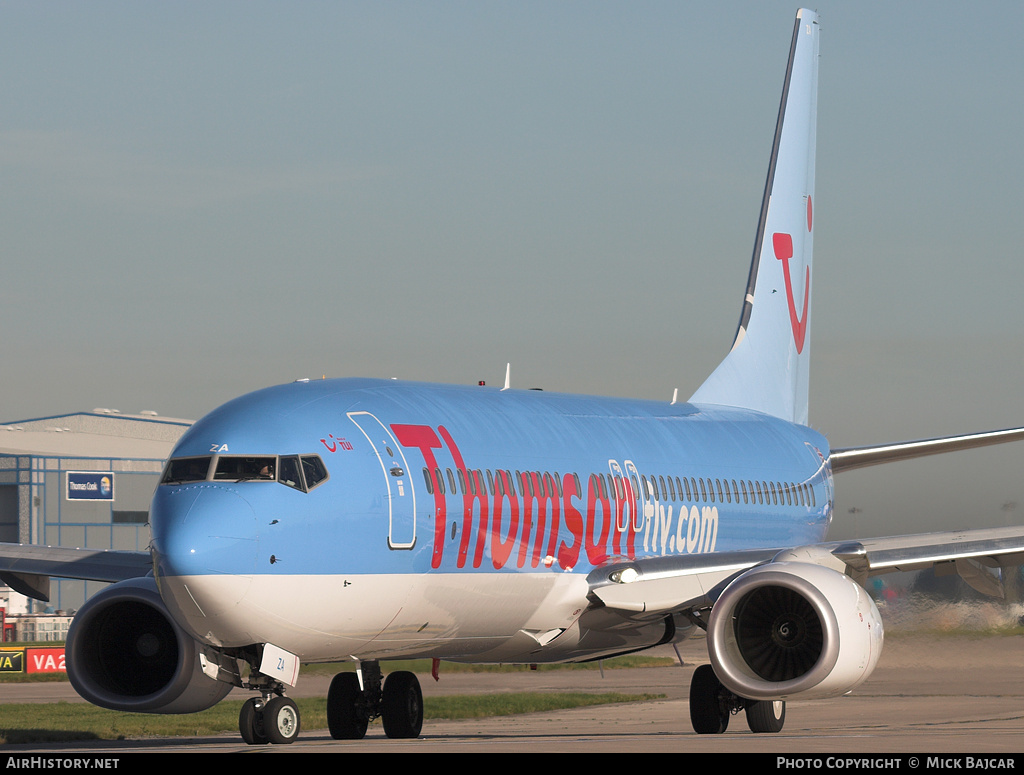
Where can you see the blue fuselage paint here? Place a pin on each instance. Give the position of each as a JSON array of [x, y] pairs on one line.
[[542, 482]]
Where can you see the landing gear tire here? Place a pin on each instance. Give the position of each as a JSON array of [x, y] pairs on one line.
[[402, 705], [250, 723], [281, 720], [767, 716], [346, 718], [708, 714]]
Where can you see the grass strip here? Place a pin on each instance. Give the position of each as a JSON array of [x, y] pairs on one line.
[[422, 666]]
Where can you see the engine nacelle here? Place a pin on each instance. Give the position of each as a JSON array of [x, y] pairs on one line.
[[124, 652], [791, 629]]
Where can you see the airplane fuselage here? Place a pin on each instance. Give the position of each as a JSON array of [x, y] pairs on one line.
[[457, 522]]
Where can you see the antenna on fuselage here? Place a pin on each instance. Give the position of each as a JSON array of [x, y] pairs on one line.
[[508, 376], [675, 395]]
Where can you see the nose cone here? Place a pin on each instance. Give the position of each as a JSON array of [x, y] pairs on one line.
[[203, 529], [205, 545]]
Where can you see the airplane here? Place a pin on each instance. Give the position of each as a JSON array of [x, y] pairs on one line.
[[365, 520]]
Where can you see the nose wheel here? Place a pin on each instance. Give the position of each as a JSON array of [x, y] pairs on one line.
[[269, 721]]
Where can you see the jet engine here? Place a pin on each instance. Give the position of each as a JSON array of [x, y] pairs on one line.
[[793, 630], [124, 652]]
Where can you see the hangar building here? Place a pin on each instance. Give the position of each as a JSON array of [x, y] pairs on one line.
[[82, 480]]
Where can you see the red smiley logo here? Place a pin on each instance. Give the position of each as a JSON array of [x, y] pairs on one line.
[[783, 246]]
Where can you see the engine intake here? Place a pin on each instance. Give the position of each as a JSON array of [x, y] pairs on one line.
[[791, 629], [124, 652]]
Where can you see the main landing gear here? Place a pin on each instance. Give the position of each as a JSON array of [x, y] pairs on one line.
[[711, 704], [352, 705]]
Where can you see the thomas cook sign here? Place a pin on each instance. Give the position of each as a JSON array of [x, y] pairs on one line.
[[90, 486]]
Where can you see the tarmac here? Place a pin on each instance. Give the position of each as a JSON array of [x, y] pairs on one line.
[[930, 696]]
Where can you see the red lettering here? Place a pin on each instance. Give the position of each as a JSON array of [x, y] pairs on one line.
[[471, 495], [547, 504], [501, 548], [531, 484], [568, 555], [597, 551], [424, 439], [477, 495]]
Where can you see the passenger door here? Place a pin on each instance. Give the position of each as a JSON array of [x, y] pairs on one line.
[[401, 495]]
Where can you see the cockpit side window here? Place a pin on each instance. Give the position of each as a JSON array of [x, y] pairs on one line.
[[314, 470], [186, 469], [289, 473]]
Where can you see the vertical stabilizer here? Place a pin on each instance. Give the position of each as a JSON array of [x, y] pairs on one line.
[[767, 368]]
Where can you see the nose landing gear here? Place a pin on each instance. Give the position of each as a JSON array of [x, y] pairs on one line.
[[274, 720]]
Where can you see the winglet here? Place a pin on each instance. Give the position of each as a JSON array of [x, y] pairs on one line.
[[767, 367]]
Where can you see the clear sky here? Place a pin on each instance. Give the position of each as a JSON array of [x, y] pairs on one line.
[[199, 199]]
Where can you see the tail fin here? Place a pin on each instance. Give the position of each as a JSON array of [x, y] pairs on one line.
[[767, 368]]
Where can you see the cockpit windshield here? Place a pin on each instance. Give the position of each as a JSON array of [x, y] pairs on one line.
[[186, 469], [300, 472], [238, 469]]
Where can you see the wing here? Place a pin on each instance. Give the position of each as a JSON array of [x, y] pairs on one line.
[[27, 568], [849, 458], [655, 587]]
